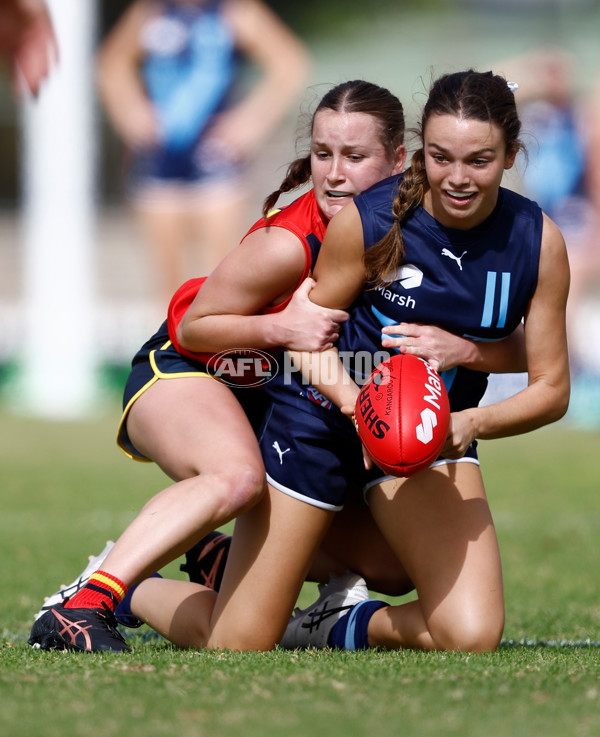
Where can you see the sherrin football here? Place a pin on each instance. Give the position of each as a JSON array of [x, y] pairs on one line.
[[402, 415]]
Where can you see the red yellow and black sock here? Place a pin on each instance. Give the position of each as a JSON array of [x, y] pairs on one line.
[[101, 588]]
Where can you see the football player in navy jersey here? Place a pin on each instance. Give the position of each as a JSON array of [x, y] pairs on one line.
[[487, 258], [311, 454]]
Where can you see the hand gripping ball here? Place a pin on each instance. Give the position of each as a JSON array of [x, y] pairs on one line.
[[403, 414]]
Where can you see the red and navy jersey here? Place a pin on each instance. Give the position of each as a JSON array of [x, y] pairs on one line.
[[476, 283], [301, 217]]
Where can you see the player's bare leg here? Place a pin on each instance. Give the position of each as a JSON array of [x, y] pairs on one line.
[[355, 543], [272, 547], [217, 225], [440, 526], [179, 610], [175, 424], [165, 230]]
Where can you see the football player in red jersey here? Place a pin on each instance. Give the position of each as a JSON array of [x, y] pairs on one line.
[[195, 427]]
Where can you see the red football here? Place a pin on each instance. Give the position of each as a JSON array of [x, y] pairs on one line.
[[402, 415]]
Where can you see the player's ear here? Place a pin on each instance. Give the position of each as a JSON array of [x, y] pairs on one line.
[[399, 159], [510, 157]]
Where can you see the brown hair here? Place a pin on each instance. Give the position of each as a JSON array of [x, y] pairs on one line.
[[471, 95], [356, 96]]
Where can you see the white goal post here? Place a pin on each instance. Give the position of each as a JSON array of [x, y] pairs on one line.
[[58, 361]]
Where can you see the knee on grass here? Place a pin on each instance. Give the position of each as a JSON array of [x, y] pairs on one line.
[[243, 641], [474, 636]]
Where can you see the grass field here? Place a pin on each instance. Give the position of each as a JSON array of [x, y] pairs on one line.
[[66, 489]]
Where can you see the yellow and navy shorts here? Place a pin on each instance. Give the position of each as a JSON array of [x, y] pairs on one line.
[[157, 360]]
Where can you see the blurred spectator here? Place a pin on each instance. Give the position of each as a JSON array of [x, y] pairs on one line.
[[27, 42], [166, 76], [563, 176]]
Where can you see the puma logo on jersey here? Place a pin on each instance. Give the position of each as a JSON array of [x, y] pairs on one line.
[[280, 452], [458, 259]]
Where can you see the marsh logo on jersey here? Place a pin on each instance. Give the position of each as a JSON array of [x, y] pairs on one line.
[[409, 276], [243, 367]]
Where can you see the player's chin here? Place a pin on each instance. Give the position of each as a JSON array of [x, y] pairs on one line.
[[334, 205]]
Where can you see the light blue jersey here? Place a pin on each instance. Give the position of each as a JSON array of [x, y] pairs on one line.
[[188, 68]]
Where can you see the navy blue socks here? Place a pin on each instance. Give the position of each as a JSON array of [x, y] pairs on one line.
[[123, 613], [350, 631]]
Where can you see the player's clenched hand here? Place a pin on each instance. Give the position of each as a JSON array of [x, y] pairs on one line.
[[461, 434], [443, 350], [308, 326]]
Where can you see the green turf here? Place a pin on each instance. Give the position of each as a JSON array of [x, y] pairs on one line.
[[66, 489]]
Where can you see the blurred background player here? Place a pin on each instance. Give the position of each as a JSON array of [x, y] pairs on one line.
[[168, 76], [27, 42]]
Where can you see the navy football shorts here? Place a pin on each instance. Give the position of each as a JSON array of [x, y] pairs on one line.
[[316, 458], [161, 167], [159, 360]]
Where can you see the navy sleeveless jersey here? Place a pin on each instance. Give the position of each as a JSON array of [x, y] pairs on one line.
[[476, 283]]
